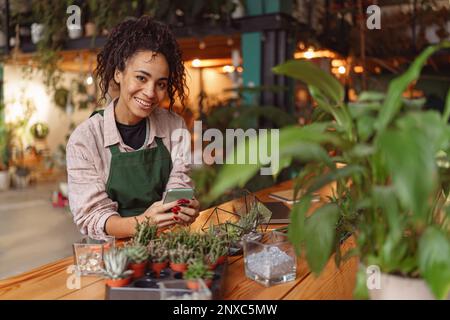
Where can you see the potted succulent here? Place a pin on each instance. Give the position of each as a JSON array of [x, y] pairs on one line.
[[390, 192], [138, 257], [144, 232], [217, 253], [180, 256], [115, 270], [198, 270], [159, 256]]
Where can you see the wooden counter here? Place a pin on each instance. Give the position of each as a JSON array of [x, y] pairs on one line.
[[50, 281]]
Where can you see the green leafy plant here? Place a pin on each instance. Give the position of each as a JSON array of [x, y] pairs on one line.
[[217, 249], [5, 139], [116, 262], [389, 191], [181, 254], [137, 253], [158, 251], [145, 231], [198, 270]]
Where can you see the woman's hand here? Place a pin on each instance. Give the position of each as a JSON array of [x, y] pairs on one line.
[[161, 214], [186, 211]]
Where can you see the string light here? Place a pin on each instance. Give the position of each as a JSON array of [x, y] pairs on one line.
[[309, 54], [342, 70], [358, 69], [228, 69], [196, 63]]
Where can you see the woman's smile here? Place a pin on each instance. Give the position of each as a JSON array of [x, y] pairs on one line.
[[146, 105]]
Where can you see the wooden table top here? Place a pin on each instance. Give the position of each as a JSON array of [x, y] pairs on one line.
[[50, 281]]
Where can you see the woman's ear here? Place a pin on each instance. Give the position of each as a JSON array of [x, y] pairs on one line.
[[117, 76]]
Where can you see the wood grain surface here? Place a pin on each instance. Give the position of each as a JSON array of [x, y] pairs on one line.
[[50, 281]]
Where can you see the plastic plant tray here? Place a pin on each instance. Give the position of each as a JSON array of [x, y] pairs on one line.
[[147, 287]]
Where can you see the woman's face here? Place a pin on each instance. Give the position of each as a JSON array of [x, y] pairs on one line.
[[143, 83]]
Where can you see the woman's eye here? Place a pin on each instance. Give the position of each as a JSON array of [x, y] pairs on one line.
[[162, 85], [140, 78]]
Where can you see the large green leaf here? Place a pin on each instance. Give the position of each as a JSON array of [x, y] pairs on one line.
[[361, 292], [434, 261], [366, 96], [358, 109], [314, 76], [365, 127], [296, 229], [411, 165], [430, 125], [393, 101], [320, 230], [345, 172], [446, 114]]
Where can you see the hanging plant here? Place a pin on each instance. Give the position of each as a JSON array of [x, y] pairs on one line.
[[50, 13], [60, 97], [39, 130]]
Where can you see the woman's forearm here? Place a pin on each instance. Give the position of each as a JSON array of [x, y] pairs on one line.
[[120, 227]]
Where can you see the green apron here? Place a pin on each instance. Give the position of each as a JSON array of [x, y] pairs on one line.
[[137, 179]]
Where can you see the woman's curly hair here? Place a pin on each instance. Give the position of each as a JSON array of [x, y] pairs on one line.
[[133, 35]]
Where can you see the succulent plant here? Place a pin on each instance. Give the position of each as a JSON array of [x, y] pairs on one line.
[[249, 221], [137, 253], [233, 232], [158, 250], [218, 249], [116, 262], [181, 254], [144, 232], [198, 270]]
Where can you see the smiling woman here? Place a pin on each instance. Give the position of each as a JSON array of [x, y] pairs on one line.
[[122, 159]]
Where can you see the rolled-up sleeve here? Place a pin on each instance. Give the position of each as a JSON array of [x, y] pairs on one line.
[[88, 200], [181, 157]]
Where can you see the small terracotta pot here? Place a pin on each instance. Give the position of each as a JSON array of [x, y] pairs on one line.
[[157, 267], [221, 260], [118, 282], [194, 285], [212, 266], [179, 267], [139, 269]]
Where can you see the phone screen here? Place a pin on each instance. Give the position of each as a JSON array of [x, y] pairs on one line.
[[178, 193]]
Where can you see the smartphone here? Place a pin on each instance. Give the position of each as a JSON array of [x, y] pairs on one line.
[[178, 193]]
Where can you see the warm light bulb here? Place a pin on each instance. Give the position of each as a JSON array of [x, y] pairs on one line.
[[228, 69], [341, 70], [358, 69], [309, 54], [89, 80], [196, 63]]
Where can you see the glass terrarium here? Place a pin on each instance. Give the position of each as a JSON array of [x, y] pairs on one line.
[[178, 290], [246, 217], [271, 262], [88, 254]]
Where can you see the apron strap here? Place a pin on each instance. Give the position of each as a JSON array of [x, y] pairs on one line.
[[100, 112], [114, 149]]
